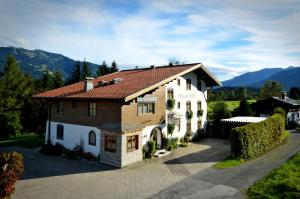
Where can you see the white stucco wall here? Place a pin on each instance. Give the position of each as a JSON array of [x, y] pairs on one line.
[[182, 95], [72, 136]]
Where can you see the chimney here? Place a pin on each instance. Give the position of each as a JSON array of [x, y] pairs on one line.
[[284, 95], [88, 84]]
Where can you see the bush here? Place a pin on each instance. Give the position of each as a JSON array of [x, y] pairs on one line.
[[49, 149], [169, 144], [11, 169], [253, 140], [183, 144], [279, 110]]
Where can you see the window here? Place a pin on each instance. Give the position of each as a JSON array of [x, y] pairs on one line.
[[178, 124], [188, 84], [178, 82], [60, 132], [92, 109], [110, 143], [60, 107], [92, 138], [199, 105], [144, 108], [170, 94], [199, 124], [188, 106], [132, 143], [199, 84], [178, 105]]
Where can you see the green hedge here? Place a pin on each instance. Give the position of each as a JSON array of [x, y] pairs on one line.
[[253, 140]]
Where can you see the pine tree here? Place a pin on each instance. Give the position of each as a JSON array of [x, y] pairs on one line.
[[14, 88], [114, 67], [86, 72], [76, 74], [103, 69], [58, 80]]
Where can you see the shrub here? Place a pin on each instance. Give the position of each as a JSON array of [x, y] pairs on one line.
[[279, 110], [11, 169], [170, 104], [50, 149], [149, 149], [183, 144], [252, 140], [169, 144]]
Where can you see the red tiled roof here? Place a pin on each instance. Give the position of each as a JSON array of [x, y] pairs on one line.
[[133, 81]]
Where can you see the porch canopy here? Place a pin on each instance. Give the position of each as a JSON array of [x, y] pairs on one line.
[[233, 122], [243, 119]]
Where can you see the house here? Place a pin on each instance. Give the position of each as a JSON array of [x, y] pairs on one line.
[[265, 107], [113, 116]]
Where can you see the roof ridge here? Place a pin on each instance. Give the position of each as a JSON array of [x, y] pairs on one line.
[[161, 66]]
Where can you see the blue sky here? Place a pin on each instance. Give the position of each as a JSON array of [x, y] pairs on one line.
[[230, 37]]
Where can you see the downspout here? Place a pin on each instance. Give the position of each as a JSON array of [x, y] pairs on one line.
[[49, 123]]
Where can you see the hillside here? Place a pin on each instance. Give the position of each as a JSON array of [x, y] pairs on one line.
[[35, 62], [251, 78], [289, 77]]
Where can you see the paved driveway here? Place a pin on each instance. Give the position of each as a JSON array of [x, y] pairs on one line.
[[186, 173], [56, 177]]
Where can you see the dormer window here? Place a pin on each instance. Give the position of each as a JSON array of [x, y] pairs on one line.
[[188, 84]]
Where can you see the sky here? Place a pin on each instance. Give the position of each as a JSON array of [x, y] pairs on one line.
[[230, 37]]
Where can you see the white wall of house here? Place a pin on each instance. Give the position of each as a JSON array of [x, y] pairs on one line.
[[72, 136], [182, 95]]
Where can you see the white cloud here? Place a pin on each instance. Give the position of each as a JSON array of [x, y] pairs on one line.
[[158, 30]]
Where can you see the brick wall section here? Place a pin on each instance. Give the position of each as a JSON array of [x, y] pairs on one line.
[[131, 120], [78, 114]]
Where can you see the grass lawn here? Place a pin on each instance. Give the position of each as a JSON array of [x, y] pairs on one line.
[[26, 141], [229, 162], [282, 182], [231, 104]]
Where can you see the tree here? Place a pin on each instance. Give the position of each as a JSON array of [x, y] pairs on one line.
[[103, 69], [14, 89], [76, 74], [86, 72], [220, 111], [244, 109], [271, 88], [294, 93], [174, 61], [114, 67], [58, 80]]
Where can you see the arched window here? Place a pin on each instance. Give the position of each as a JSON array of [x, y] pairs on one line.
[[92, 138]]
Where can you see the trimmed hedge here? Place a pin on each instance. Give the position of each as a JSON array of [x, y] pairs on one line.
[[11, 169], [253, 140]]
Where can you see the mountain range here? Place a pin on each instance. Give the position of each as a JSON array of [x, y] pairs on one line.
[[35, 62], [289, 77]]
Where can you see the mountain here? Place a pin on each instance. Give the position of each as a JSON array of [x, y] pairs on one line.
[[251, 78], [34, 62], [289, 77]]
